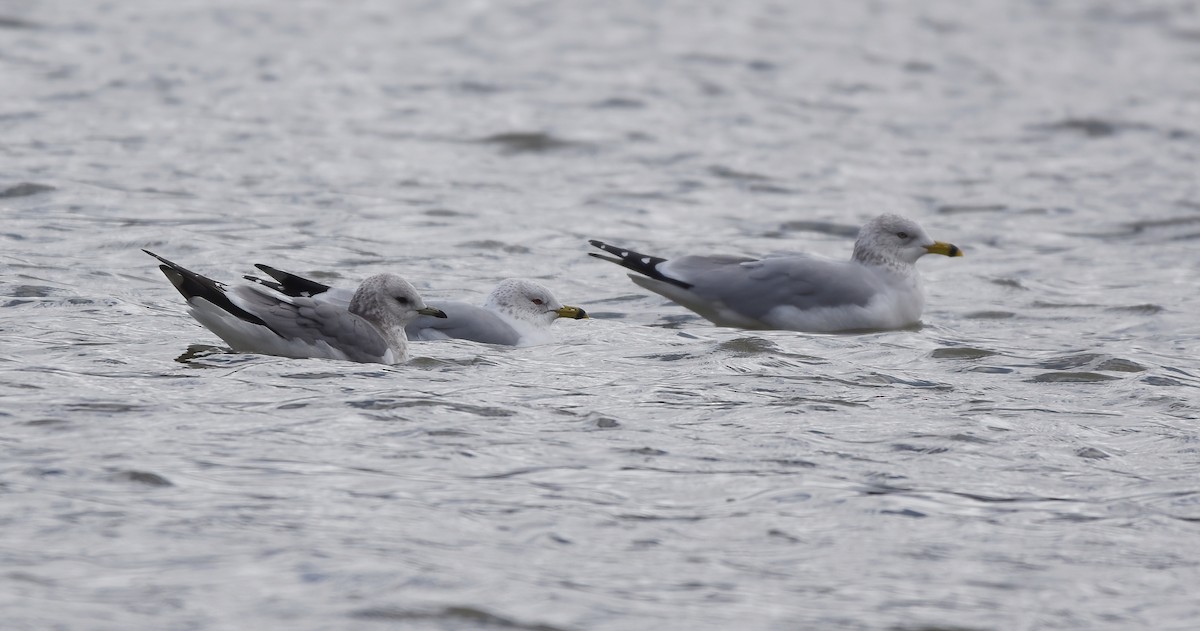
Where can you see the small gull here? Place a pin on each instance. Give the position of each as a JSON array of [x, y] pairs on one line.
[[878, 288], [517, 312], [257, 319]]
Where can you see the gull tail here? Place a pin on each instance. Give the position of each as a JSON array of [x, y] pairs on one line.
[[193, 285], [641, 263]]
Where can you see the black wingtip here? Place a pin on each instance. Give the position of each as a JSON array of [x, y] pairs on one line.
[[291, 284], [264, 282], [193, 285], [161, 259], [610, 259], [643, 264]]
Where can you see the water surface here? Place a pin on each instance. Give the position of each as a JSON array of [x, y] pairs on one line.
[[1025, 459]]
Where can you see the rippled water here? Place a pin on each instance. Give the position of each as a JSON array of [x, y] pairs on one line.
[[1026, 459]]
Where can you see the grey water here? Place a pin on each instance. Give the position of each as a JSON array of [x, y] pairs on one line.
[[1027, 458]]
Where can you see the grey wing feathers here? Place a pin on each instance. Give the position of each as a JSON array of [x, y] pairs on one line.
[[755, 287], [465, 322], [313, 322], [812, 283]]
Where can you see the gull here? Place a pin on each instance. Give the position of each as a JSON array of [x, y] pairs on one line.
[[517, 313], [257, 319], [878, 288]]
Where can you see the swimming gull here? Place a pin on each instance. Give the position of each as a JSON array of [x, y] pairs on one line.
[[257, 319], [878, 288], [517, 313]]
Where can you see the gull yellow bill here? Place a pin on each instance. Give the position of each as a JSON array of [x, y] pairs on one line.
[[948, 249], [574, 313]]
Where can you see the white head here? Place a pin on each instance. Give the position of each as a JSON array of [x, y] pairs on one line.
[[529, 302], [390, 302], [892, 239]]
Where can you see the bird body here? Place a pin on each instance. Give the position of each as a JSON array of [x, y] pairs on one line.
[[259, 319], [516, 313], [878, 288], [465, 321]]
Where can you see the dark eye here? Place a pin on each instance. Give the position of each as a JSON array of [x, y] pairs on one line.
[[402, 300], [537, 301], [902, 235]]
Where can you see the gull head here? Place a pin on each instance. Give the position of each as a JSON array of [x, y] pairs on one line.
[[530, 302], [892, 239], [390, 302]]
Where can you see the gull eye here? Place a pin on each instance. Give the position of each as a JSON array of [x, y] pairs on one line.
[[537, 301], [402, 300], [902, 235]]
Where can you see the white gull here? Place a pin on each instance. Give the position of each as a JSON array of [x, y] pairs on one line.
[[258, 319], [516, 313], [877, 288]]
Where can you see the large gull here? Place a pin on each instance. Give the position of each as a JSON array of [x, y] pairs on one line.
[[517, 313], [878, 288], [258, 319]]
